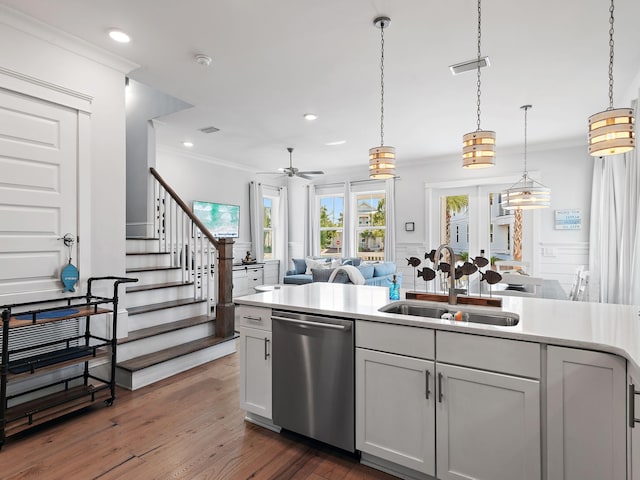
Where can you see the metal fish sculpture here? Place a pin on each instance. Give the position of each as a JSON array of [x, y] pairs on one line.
[[413, 261], [427, 274], [430, 256], [491, 277], [468, 268], [444, 267], [480, 262], [459, 273]]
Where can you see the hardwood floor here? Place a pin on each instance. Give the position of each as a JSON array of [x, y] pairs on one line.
[[187, 426]]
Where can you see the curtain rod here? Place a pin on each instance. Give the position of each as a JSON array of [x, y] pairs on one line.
[[267, 185]]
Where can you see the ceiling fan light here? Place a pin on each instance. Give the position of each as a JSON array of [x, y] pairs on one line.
[[382, 162], [611, 132], [479, 149]]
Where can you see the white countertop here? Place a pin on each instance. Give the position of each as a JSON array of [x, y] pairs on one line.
[[594, 326]]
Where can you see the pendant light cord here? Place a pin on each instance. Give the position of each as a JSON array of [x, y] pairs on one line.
[[382, 83], [611, 19], [479, 54]]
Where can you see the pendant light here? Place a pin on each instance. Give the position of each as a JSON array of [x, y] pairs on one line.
[[611, 132], [382, 159], [479, 147], [526, 194]]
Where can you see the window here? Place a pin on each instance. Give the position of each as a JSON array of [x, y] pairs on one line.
[[371, 225], [331, 225], [268, 251]]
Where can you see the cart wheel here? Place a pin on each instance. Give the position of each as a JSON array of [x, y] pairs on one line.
[[109, 402]]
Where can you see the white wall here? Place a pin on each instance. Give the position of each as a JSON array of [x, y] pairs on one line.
[[61, 63]]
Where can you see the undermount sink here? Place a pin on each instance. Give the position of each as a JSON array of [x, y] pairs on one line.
[[502, 319], [413, 309]]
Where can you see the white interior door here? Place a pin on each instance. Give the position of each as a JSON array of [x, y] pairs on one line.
[[38, 194]]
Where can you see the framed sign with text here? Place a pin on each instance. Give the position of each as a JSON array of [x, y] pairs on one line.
[[569, 219]]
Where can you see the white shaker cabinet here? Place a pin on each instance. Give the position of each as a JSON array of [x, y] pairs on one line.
[[586, 415], [254, 325], [633, 407], [395, 409], [488, 425]]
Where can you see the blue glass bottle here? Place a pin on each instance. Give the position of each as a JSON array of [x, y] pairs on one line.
[[394, 289]]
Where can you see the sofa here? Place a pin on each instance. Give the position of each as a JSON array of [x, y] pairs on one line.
[[377, 274], [301, 271]]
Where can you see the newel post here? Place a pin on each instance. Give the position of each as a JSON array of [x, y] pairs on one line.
[[225, 309]]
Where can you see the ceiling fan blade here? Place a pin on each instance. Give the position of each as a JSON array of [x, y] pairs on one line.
[[269, 173], [313, 172], [302, 175]]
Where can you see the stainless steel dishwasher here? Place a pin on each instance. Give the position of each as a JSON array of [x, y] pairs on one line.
[[313, 377]]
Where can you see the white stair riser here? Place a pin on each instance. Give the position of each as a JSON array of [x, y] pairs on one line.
[[155, 260], [129, 350], [142, 378], [152, 319], [157, 276], [159, 295], [138, 246]]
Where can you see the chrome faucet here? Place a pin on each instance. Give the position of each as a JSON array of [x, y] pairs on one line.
[[453, 298]]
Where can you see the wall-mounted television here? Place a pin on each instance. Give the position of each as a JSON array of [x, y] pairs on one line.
[[222, 220]]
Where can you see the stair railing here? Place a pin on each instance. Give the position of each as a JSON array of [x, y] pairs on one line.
[[194, 250]]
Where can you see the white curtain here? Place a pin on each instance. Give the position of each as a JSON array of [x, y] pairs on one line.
[[390, 235], [614, 240], [312, 226], [256, 219], [348, 249], [282, 232]]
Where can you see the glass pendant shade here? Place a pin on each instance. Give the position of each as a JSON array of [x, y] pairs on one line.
[[382, 162], [479, 149], [527, 194], [611, 132]]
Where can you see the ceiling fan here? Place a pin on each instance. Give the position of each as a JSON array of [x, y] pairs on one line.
[[291, 171]]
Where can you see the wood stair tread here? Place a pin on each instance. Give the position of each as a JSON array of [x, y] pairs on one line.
[[151, 359], [157, 286], [161, 306], [150, 269], [143, 238], [165, 328]]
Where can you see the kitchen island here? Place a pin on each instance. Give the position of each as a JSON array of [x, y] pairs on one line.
[[550, 397]]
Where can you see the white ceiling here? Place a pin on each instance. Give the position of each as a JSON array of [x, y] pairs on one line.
[[274, 60]]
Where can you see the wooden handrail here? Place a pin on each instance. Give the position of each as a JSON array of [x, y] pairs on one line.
[[225, 308], [185, 208]]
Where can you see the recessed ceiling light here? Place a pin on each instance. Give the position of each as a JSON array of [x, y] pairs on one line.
[[119, 36], [333, 144], [187, 144], [310, 116]]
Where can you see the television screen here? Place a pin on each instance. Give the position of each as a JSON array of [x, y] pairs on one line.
[[222, 220]]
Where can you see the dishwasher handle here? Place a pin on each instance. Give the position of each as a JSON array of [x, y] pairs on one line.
[[313, 324]]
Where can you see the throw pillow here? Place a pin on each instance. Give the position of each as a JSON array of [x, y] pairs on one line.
[[321, 274], [384, 268], [311, 264], [366, 271], [299, 265]]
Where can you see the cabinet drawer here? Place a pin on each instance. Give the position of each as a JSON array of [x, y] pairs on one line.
[[255, 317], [410, 341], [488, 353]]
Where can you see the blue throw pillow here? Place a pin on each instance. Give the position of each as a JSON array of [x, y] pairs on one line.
[[299, 265], [366, 271], [321, 274], [384, 268], [355, 261]]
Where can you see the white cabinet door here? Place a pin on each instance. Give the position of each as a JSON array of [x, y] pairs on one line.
[[255, 371], [586, 420], [633, 406], [395, 409], [488, 425]]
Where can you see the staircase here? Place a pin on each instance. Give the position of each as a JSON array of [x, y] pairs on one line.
[[170, 327]]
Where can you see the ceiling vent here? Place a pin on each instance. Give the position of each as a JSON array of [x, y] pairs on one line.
[[469, 65], [209, 130]]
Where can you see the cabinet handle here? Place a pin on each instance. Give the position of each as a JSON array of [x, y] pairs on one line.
[[266, 348], [440, 387], [632, 406], [427, 384], [256, 319]]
